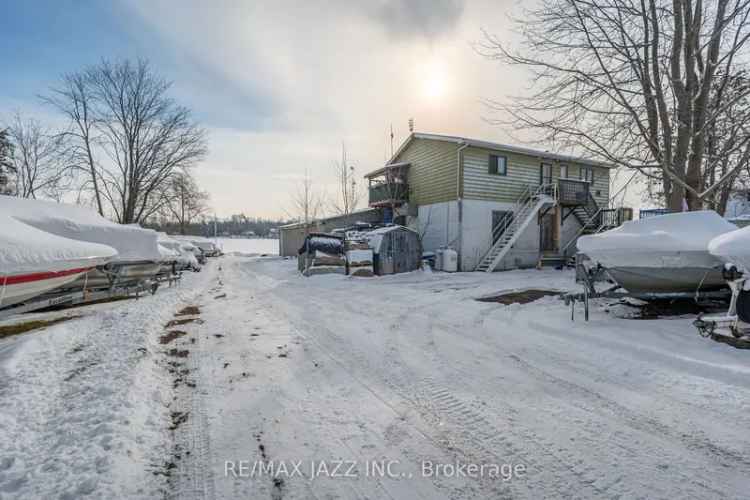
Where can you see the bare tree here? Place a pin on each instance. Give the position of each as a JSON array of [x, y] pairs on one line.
[[306, 202], [6, 163], [637, 83], [41, 160], [185, 201], [73, 97], [348, 192], [142, 132]]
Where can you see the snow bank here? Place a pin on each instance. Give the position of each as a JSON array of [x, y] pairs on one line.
[[733, 247], [249, 246], [25, 249], [685, 231], [85, 410], [132, 243]]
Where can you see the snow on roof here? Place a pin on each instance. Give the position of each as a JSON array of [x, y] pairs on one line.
[[375, 237], [670, 232], [133, 243], [25, 249]]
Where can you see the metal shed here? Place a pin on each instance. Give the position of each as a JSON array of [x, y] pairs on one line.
[[396, 249]]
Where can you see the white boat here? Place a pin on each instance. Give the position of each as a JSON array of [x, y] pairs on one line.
[[208, 247], [138, 257], [33, 262], [661, 255], [184, 250]]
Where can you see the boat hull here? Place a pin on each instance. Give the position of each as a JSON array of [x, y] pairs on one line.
[[651, 280], [644, 272], [21, 288]]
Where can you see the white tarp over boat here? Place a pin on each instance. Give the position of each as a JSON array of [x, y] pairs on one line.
[[25, 249], [663, 254], [205, 244], [133, 243], [733, 247], [184, 250], [662, 235], [33, 262]]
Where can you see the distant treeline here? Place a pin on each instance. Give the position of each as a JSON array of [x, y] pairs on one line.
[[236, 225]]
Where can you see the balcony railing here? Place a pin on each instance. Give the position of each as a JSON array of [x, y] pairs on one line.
[[614, 217], [388, 193], [572, 192]]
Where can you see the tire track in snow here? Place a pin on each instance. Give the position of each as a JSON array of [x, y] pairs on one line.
[[624, 443], [471, 433], [696, 441]]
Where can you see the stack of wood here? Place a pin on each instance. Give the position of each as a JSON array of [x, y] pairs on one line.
[[359, 258]]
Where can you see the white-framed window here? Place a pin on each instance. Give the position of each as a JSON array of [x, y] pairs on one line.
[[587, 174], [563, 171], [498, 165]]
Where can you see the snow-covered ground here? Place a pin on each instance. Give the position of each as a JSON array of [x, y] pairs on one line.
[[333, 372], [249, 246]]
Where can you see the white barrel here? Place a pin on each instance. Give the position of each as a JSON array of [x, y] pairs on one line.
[[439, 259], [450, 260]]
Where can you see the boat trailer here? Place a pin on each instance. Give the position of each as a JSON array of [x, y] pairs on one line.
[[85, 296], [588, 276], [732, 327]]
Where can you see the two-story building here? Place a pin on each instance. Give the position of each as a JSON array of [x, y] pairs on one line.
[[498, 206]]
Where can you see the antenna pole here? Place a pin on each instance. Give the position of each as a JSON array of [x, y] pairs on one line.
[[391, 140]]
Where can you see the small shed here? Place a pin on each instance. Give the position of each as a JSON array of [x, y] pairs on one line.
[[396, 249]]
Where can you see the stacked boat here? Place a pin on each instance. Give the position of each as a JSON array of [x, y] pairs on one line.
[[47, 246], [33, 262], [182, 252]]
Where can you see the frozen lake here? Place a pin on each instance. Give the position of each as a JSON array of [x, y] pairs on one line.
[[249, 245]]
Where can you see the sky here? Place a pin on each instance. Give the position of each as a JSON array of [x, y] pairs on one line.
[[279, 85]]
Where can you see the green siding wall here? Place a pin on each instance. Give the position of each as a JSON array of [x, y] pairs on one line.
[[522, 170], [433, 172]]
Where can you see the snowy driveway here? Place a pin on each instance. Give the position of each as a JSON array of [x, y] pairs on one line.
[[411, 372]]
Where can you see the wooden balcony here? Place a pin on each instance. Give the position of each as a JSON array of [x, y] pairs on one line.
[[388, 194]]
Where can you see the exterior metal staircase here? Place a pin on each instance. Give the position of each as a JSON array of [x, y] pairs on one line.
[[602, 220], [507, 231]]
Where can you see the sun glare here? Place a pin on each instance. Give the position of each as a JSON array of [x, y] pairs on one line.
[[434, 82]]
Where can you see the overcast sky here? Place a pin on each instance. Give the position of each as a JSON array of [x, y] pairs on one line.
[[279, 84]]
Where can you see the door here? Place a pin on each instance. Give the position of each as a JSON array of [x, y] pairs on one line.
[[547, 233], [397, 240]]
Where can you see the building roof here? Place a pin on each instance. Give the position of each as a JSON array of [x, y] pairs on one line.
[[389, 166], [491, 145], [329, 219]]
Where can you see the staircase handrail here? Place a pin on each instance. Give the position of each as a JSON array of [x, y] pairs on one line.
[[523, 202], [584, 227]]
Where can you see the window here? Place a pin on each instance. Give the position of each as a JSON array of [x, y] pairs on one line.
[[545, 174], [563, 171], [587, 174], [498, 165]]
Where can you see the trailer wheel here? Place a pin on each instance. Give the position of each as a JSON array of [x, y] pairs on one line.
[[743, 306]]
